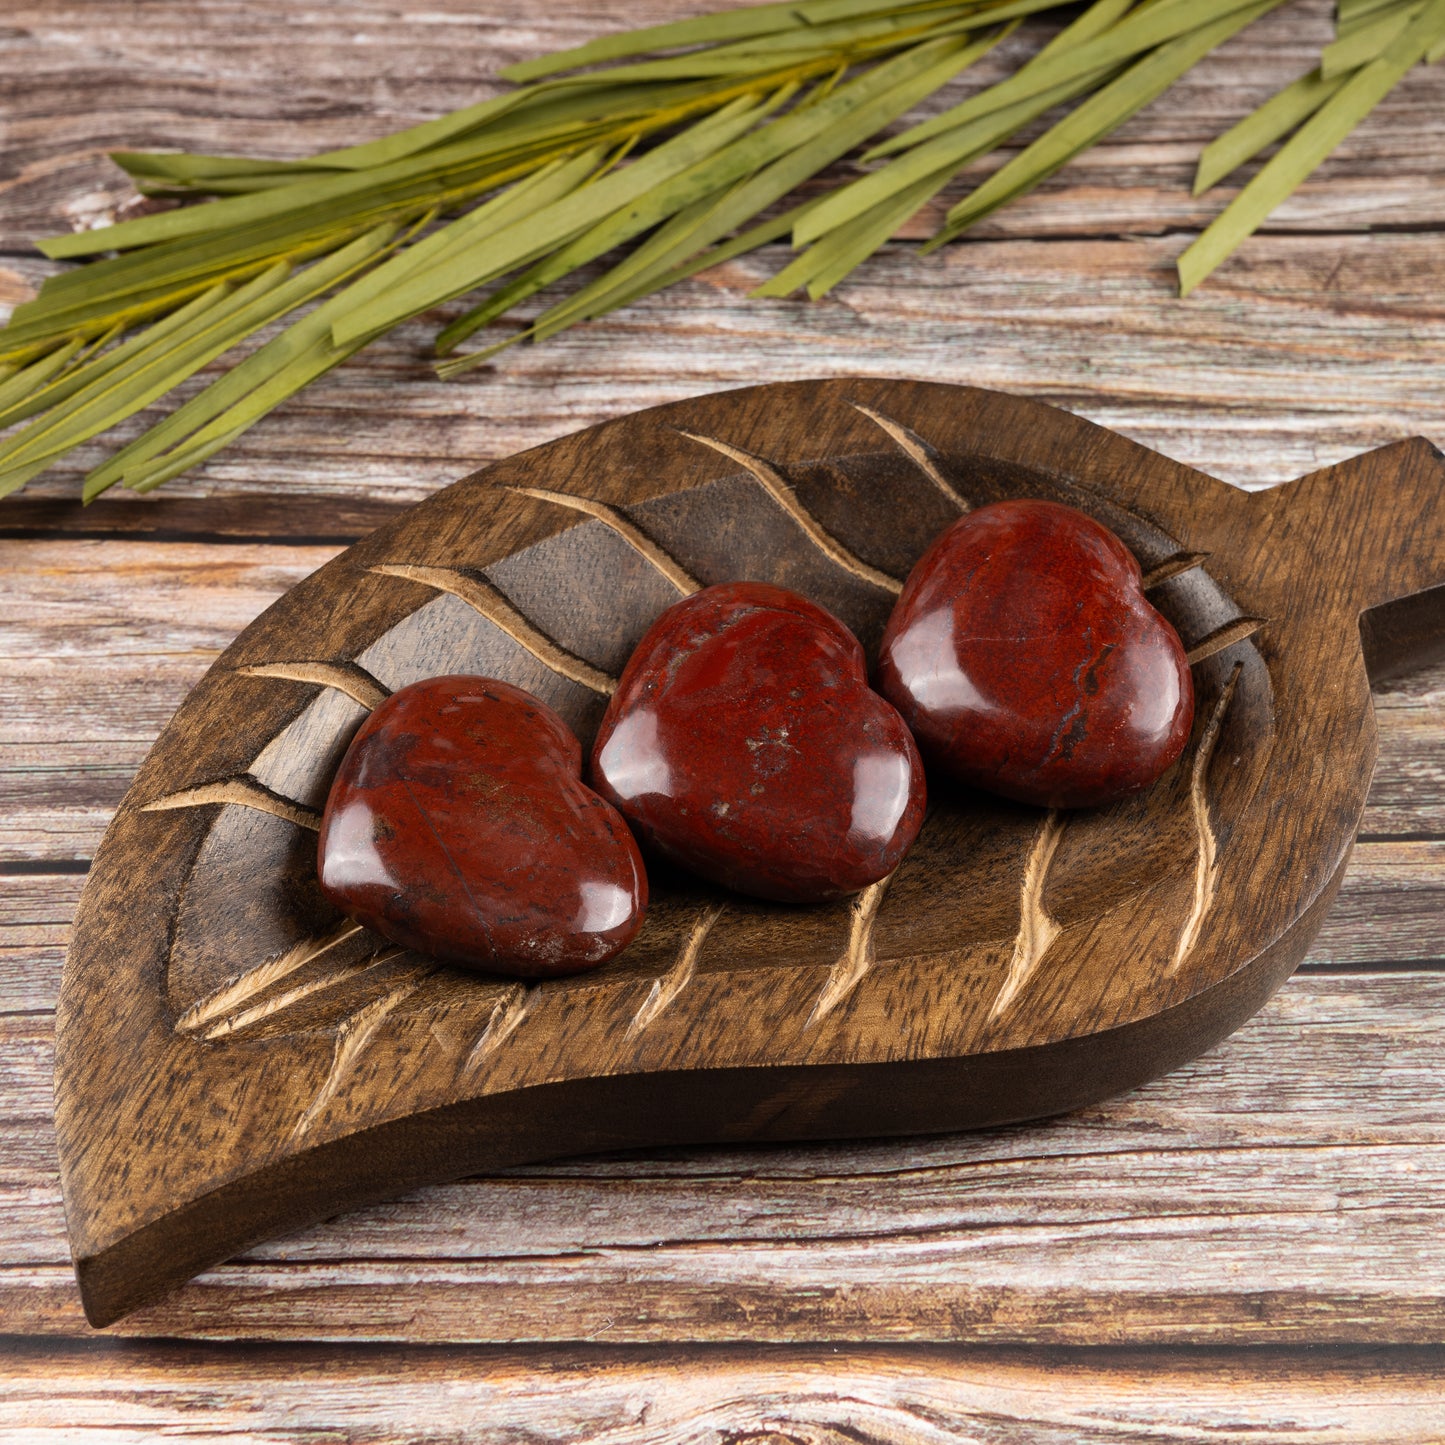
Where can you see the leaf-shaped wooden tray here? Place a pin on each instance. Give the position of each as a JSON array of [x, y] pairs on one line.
[[236, 1060]]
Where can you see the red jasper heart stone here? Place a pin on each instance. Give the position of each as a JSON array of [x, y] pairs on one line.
[[1028, 662], [459, 825], [744, 743]]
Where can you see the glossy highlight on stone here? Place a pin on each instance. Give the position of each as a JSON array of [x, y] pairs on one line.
[[1027, 660], [744, 743], [458, 825]]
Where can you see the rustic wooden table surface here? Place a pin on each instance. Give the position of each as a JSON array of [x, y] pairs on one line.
[[1249, 1249]]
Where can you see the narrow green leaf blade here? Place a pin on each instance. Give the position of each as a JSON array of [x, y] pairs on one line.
[[1101, 113], [659, 251], [846, 246], [17, 389], [78, 377], [306, 197], [51, 435], [153, 370], [311, 355], [1146, 27], [252, 372], [224, 216], [626, 283], [738, 23], [184, 167], [430, 134], [1367, 43], [609, 294], [528, 196], [549, 226], [835, 126], [659, 255], [305, 286], [1270, 122], [823, 44], [13, 479], [795, 147], [690, 193], [954, 148], [1351, 14], [1299, 156]]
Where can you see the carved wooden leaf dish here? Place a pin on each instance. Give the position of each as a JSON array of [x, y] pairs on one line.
[[235, 1059]]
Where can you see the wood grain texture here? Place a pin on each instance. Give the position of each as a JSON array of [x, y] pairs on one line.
[[206, 81], [1389, 910], [1318, 341], [1066, 296], [1236, 1201], [1256, 378], [104, 653], [1139, 934], [726, 1397]]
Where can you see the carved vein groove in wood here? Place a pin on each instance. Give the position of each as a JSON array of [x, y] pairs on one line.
[[497, 608], [855, 960], [773, 483], [625, 528], [278, 1003], [244, 987], [508, 1012], [351, 678], [1206, 863], [672, 983], [917, 451], [1225, 636], [1037, 926], [243, 792], [1175, 566], [351, 1041]]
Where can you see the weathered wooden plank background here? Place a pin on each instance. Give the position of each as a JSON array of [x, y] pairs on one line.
[[1089, 1278], [753, 1397]]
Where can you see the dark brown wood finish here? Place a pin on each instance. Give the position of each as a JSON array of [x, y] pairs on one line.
[[234, 1060]]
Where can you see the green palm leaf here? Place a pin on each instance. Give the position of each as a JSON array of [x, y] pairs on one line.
[[666, 150]]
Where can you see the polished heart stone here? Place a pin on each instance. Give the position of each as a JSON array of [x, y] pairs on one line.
[[745, 744], [1028, 662], [459, 825]]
